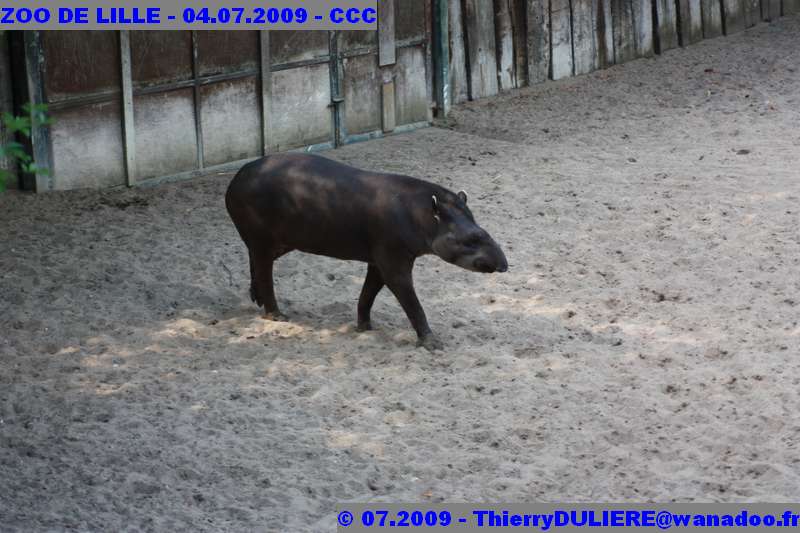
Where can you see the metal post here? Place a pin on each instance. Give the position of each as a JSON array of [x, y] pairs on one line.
[[337, 99], [266, 91], [198, 119], [40, 135], [128, 129], [441, 54]]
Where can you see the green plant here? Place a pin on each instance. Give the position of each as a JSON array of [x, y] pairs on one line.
[[35, 116]]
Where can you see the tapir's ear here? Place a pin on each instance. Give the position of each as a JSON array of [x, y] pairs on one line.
[[463, 196], [435, 203]]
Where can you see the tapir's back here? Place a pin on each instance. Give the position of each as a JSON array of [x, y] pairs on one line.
[[315, 204]]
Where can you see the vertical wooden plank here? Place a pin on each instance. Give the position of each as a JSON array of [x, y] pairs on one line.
[[733, 16], [198, 122], [643, 24], [666, 23], [605, 33], [770, 10], [386, 44], [538, 40], [561, 64], [389, 120], [790, 7], [504, 43], [128, 130], [337, 94], [481, 53], [584, 35], [690, 21], [519, 32], [265, 73], [712, 18], [624, 36], [751, 11], [428, 48], [6, 106], [441, 56], [40, 136], [459, 87]]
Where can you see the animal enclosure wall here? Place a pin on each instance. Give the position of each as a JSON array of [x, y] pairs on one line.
[[494, 45], [141, 105]]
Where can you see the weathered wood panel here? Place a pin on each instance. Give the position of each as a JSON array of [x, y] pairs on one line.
[[220, 52], [605, 33], [770, 9], [690, 17], [751, 11], [386, 26], [166, 141], [87, 146], [300, 92], [362, 94], [231, 127], [666, 22], [624, 34], [504, 43], [643, 24], [733, 16], [288, 46], [561, 39], [160, 56], [389, 121], [537, 18], [410, 17], [410, 90], [712, 18], [80, 62], [481, 53], [459, 86], [791, 7], [519, 30], [584, 36]]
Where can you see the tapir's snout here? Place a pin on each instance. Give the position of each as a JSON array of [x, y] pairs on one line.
[[503, 267], [491, 260]]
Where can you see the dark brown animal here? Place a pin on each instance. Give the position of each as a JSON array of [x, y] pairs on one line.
[[288, 202]]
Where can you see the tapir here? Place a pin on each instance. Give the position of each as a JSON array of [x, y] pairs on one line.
[[305, 202]]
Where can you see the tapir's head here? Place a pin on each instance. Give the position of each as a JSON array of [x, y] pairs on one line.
[[459, 240]]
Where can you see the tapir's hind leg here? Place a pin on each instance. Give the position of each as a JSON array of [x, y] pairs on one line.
[[372, 286], [261, 260], [253, 290]]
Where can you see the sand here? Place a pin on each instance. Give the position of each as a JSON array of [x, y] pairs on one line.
[[642, 347]]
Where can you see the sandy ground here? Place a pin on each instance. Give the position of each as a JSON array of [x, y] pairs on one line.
[[643, 346]]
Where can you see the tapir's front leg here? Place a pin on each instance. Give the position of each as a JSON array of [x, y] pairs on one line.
[[398, 278]]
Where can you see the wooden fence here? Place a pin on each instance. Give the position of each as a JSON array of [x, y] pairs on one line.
[[495, 45]]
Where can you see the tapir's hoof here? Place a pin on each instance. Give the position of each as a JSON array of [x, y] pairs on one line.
[[364, 326], [276, 316], [431, 343]]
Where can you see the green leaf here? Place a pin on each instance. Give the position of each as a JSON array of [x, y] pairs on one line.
[[17, 124], [13, 150]]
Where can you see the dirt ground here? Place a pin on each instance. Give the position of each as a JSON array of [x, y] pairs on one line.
[[642, 347]]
